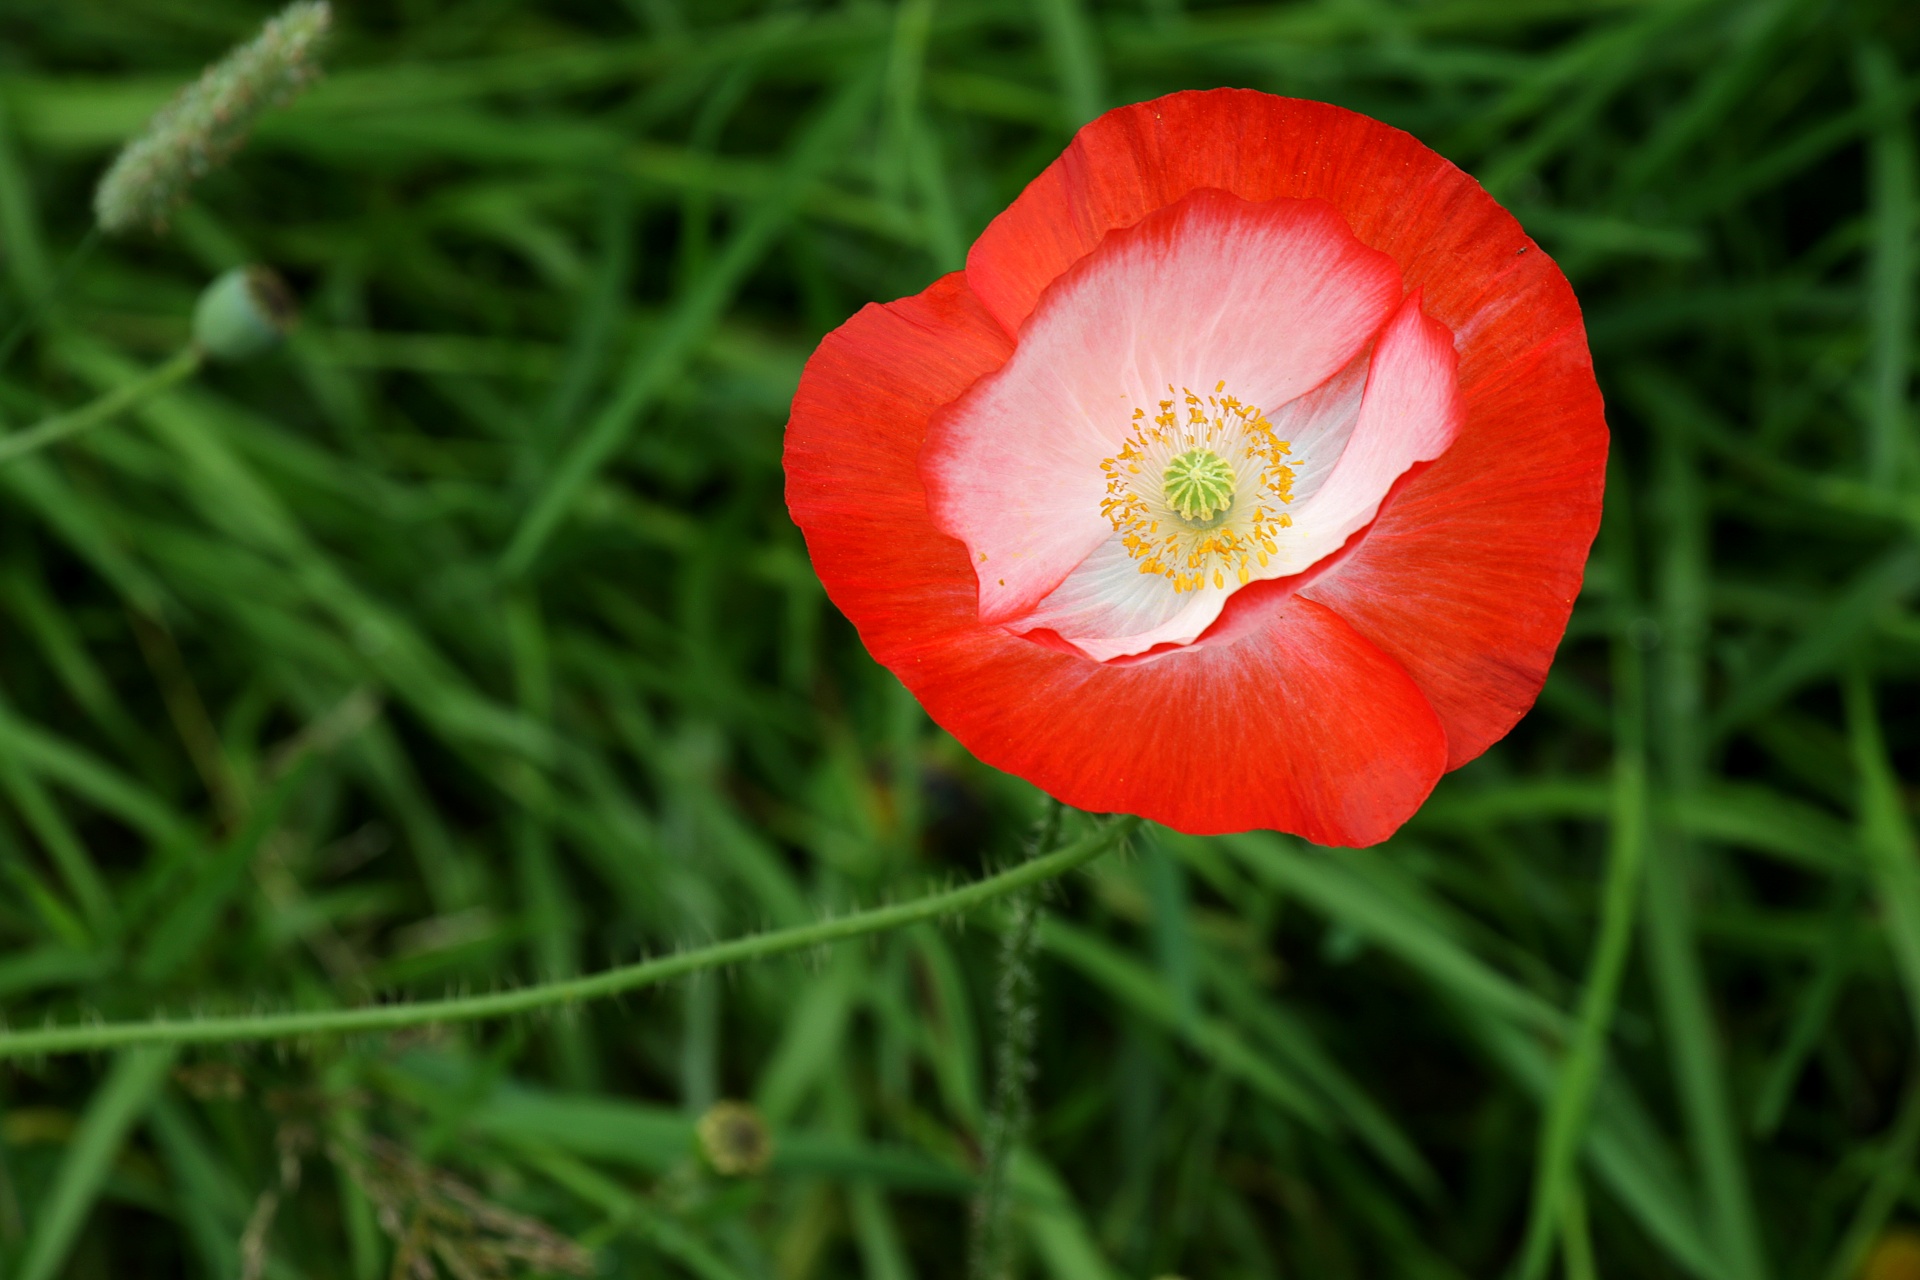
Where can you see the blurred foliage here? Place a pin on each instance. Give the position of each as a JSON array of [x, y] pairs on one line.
[[466, 642]]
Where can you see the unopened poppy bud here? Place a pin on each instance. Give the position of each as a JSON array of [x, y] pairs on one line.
[[241, 314], [735, 1139]]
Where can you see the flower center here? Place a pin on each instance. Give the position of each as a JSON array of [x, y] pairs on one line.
[[1199, 485], [1223, 481]]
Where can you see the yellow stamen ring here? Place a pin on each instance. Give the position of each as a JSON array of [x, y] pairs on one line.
[[1223, 479]]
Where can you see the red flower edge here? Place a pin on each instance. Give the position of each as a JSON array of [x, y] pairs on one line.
[[1326, 705]]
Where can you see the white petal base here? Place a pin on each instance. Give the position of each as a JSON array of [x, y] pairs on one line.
[[1352, 438]]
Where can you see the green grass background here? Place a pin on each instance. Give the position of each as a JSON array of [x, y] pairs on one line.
[[466, 642]]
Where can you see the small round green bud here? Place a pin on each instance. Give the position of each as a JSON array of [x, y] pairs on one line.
[[241, 314], [735, 1139], [1198, 485]]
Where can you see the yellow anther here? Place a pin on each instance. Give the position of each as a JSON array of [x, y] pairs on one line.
[[1223, 479]]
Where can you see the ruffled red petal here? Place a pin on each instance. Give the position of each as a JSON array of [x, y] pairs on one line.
[[852, 460], [1469, 574], [1297, 723]]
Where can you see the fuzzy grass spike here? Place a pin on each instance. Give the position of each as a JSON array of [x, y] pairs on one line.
[[210, 119]]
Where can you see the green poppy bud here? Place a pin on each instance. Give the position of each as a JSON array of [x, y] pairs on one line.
[[735, 1139], [241, 314]]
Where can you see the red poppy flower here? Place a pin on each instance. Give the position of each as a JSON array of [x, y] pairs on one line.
[[1244, 478]]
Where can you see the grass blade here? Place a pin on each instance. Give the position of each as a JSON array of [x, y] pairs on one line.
[[692, 319], [1562, 1133], [1890, 270], [116, 1106], [1680, 985], [1887, 836]]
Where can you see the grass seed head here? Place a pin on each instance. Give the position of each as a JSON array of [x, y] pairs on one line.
[[209, 120]]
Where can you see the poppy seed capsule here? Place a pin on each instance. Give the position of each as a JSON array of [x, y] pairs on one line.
[[241, 314], [734, 1138]]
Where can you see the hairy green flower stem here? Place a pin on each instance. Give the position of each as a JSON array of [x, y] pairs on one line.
[[546, 995], [1016, 1000], [61, 425]]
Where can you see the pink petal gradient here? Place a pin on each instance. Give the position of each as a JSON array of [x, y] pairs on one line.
[[1270, 297], [1410, 413]]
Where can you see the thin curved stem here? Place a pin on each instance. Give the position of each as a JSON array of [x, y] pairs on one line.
[[632, 977], [61, 425]]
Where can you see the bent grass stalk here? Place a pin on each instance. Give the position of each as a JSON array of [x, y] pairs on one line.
[[545, 995], [115, 402]]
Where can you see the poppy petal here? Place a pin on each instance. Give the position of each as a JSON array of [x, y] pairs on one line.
[[1294, 722], [1297, 723], [1326, 703], [1137, 159], [1267, 300], [1107, 608], [1410, 413], [852, 462], [1469, 573]]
